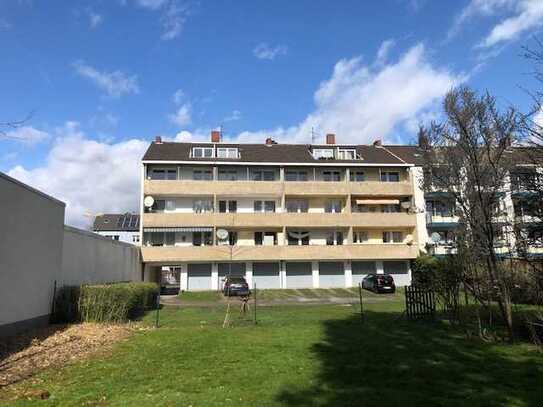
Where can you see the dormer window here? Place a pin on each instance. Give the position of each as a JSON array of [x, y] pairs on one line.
[[346, 154], [202, 152], [227, 152], [323, 153]]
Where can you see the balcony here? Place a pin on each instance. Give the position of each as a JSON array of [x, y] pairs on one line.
[[276, 253], [276, 188], [263, 220]]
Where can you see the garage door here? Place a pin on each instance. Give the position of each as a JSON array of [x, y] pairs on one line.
[[299, 275], [266, 275], [235, 270], [199, 276], [361, 269], [331, 274]]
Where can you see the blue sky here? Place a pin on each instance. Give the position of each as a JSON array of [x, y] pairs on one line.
[[103, 78]]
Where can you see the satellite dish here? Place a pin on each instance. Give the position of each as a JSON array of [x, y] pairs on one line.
[[149, 201], [409, 239], [435, 237], [406, 204], [222, 234]]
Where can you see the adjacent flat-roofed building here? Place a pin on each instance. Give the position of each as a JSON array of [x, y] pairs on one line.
[[282, 215], [124, 227]]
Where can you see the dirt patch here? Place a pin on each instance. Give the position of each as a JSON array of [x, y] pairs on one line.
[[25, 355]]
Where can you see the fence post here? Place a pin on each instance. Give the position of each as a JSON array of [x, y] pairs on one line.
[[254, 285], [361, 302]]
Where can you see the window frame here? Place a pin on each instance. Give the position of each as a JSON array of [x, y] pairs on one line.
[[228, 150], [203, 149]]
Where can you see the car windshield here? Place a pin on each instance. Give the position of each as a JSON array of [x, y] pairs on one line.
[[236, 279]]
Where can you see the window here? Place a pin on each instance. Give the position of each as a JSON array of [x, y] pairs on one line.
[[323, 153], [265, 238], [135, 238], [392, 237], [115, 237], [298, 238], [224, 152], [292, 175], [201, 175], [395, 267], [346, 154], [360, 236], [525, 181], [228, 175], [232, 238], [163, 174], [331, 176], [159, 205], [357, 176], [390, 176], [334, 238], [263, 175], [202, 238], [169, 238], [202, 152], [391, 208], [228, 206], [202, 205], [264, 206], [333, 206], [297, 205]]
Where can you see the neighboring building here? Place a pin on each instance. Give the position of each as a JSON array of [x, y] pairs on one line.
[[295, 215], [124, 227]]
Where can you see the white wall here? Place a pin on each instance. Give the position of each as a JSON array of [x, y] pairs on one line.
[[127, 237], [89, 258], [31, 231]]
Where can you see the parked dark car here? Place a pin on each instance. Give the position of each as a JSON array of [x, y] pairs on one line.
[[379, 283], [235, 286]]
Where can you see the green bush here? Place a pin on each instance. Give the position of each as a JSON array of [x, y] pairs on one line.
[[116, 302]]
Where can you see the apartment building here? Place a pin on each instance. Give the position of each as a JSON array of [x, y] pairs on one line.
[[124, 227], [282, 215]]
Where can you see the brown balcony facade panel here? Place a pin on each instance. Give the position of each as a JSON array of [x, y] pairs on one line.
[[263, 220], [276, 188], [165, 255]]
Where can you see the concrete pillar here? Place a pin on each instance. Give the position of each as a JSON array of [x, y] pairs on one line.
[[348, 273], [315, 271], [184, 277], [379, 268], [147, 273], [283, 274], [347, 174], [409, 273], [281, 174], [249, 273], [214, 276]]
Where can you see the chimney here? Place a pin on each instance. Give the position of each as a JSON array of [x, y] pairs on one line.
[[215, 136], [377, 143], [330, 138], [158, 140], [270, 141]]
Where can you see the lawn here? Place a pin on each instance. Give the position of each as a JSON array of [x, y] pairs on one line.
[[318, 355]]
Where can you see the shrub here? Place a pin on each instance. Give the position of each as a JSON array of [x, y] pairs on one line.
[[116, 302]]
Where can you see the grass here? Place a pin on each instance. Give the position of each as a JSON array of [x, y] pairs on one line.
[[319, 355]]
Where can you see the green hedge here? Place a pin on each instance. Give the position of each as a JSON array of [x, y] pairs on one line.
[[116, 302]]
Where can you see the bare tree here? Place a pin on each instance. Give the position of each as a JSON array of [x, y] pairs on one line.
[[468, 156]]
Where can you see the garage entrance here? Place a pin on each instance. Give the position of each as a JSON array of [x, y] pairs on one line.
[[266, 275], [199, 277], [299, 275], [235, 269], [331, 274], [361, 269]]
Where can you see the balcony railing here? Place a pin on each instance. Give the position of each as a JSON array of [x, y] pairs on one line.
[[172, 254]]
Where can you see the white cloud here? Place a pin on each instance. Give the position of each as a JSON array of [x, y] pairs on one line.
[[115, 83], [384, 50], [182, 116], [27, 135], [178, 96], [88, 175], [95, 19], [517, 17], [173, 15], [361, 103], [265, 51], [235, 115]]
